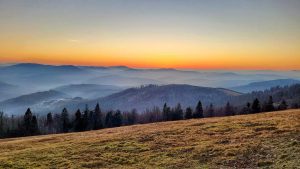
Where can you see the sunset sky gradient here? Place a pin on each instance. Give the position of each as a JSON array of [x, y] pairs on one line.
[[210, 34]]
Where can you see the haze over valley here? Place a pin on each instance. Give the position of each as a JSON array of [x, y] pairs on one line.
[[50, 88]]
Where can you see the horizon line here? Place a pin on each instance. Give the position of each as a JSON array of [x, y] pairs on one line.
[[138, 67]]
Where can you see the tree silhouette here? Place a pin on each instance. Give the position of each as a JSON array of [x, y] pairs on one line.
[[97, 121], [246, 109], [34, 129], [132, 117], [166, 112], [85, 118], [198, 111], [65, 120], [256, 108], [49, 122], [188, 113], [27, 122], [108, 119], [117, 119], [269, 105], [78, 121], [229, 110], [178, 113]]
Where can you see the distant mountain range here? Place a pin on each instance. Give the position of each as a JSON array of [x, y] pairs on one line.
[[263, 85], [140, 98], [88, 91], [77, 85], [147, 97], [9, 91]]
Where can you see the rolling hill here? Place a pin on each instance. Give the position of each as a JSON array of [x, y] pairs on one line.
[[36, 77], [141, 98], [147, 97], [88, 91], [35, 101], [263, 85], [9, 91], [266, 140]]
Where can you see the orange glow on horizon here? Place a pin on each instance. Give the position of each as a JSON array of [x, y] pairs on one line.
[[168, 34]]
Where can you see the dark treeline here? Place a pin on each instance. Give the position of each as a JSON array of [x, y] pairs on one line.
[[289, 93], [84, 120]]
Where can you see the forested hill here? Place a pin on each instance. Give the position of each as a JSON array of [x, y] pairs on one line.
[[150, 96]]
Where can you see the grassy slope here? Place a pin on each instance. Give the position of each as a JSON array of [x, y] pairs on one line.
[[261, 140]]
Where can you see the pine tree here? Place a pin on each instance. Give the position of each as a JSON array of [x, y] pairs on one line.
[[188, 113], [199, 111], [65, 120], [166, 112], [117, 119], [246, 109], [57, 123], [27, 122], [78, 121], [108, 119], [85, 118], [229, 110], [34, 129], [132, 117], [178, 112], [269, 106], [49, 123], [256, 108], [97, 118]]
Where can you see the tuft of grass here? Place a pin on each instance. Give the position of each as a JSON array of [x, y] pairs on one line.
[[266, 140]]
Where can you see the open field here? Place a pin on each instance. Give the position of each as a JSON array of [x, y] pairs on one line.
[[267, 140]]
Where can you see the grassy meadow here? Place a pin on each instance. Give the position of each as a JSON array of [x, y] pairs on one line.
[[266, 140]]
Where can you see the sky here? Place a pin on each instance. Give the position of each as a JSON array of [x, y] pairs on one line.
[[199, 34]]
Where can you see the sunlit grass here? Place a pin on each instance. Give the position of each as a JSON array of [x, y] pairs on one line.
[[267, 140]]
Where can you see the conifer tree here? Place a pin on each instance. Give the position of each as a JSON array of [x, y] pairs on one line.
[[166, 112], [117, 119], [198, 111], [57, 123], [246, 109], [269, 106], [229, 110], [132, 117], [27, 122], [85, 118], [49, 123], [256, 108], [78, 121], [34, 129], [188, 113], [97, 118], [65, 120], [178, 112], [108, 119]]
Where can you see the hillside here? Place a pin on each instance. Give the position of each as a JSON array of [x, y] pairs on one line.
[[152, 95], [263, 85], [9, 91], [266, 140], [33, 100], [89, 91]]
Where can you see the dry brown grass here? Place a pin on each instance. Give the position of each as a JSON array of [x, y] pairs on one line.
[[267, 140]]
